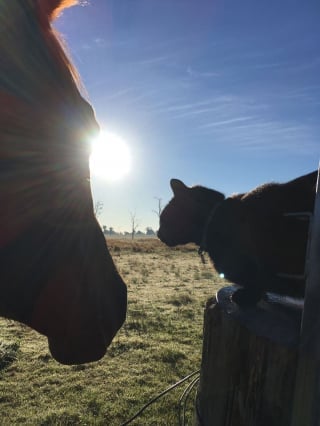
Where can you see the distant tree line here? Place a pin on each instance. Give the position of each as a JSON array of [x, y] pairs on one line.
[[149, 232]]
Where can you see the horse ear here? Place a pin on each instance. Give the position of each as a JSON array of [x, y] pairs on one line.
[[53, 8], [177, 186]]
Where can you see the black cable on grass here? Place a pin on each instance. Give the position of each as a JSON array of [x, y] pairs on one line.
[[183, 400], [159, 396]]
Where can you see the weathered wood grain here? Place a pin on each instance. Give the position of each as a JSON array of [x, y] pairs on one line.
[[249, 364]]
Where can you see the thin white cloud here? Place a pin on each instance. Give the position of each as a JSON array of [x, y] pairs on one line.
[[283, 144], [140, 95], [86, 46], [99, 42], [265, 135], [201, 74], [183, 106], [154, 60], [224, 122], [199, 111], [120, 93], [270, 65]]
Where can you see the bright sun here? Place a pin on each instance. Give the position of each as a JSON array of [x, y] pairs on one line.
[[110, 157]]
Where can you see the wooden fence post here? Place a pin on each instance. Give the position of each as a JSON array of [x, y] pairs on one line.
[[248, 364]]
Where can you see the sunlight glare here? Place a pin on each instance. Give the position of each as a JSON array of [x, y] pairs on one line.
[[110, 157]]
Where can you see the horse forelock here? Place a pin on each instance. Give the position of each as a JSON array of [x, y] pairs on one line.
[[48, 10], [40, 90], [52, 8], [35, 65]]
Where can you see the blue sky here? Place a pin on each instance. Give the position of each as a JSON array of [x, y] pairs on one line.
[[223, 93]]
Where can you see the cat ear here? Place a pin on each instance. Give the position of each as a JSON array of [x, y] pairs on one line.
[[177, 186], [53, 8]]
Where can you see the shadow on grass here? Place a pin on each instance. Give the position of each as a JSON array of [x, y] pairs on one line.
[[8, 353]]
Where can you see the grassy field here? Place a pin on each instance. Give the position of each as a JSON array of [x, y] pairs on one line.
[[159, 344]]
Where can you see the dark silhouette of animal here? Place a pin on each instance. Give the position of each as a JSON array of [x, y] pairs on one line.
[[256, 239], [56, 273]]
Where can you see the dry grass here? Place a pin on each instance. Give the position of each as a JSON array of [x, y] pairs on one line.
[[159, 344]]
